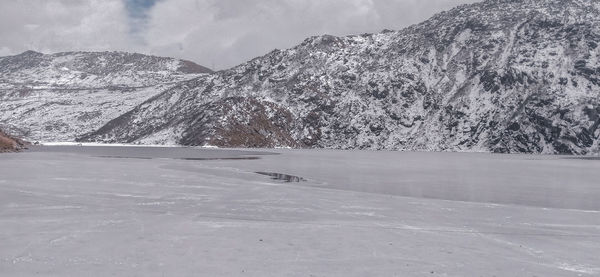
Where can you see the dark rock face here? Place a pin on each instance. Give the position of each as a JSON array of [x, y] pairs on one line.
[[248, 123], [501, 75]]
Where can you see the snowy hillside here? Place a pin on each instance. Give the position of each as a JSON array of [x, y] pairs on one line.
[[61, 96], [501, 75], [79, 70]]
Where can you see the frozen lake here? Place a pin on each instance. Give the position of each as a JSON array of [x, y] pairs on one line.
[[148, 211]]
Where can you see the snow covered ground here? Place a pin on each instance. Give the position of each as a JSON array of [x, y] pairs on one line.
[[134, 211]]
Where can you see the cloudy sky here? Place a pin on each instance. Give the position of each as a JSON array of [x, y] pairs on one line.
[[214, 33]]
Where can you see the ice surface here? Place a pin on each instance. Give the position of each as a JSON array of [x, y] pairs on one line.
[[79, 211]]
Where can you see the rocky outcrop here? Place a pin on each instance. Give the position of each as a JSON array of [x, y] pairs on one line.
[[10, 144]]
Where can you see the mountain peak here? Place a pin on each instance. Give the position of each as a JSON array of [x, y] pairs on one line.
[[30, 53]]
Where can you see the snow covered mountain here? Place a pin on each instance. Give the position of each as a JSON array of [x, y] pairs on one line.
[[62, 96], [501, 75]]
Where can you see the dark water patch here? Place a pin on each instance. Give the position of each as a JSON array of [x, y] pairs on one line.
[[123, 157], [584, 158], [154, 152], [185, 159], [282, 177], [220, 159]]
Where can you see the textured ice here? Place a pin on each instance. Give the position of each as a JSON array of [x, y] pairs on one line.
[[68, 211]]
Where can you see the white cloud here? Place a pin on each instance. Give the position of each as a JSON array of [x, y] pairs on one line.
[[5, 51], [228, 32], [62, 25]]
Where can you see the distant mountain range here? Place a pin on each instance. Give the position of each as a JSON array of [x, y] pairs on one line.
[[518, 76], [63, 96]]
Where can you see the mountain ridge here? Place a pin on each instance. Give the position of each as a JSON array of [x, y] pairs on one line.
[[517, 76], [61, 96], [84, 68], [500, 76]]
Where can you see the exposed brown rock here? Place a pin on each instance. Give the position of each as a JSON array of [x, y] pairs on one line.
[[248, 122], [10, 144], [191, 67]]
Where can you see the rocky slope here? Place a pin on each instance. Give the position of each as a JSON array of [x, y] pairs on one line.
[[10, 144], [61, 96], [501, 75]]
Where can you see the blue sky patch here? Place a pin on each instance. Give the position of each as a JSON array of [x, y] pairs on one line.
[[137, 10]]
